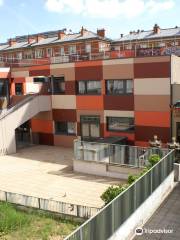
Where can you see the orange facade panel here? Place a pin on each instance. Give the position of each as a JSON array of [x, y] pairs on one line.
[[41, 126], [158, 119], [89, 102]]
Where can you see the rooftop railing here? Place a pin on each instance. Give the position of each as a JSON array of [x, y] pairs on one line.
[[104, 224]]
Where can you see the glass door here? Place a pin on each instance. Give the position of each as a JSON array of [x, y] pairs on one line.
[[90, 127]]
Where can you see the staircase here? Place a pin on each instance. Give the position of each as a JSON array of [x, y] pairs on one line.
[[16, 115]]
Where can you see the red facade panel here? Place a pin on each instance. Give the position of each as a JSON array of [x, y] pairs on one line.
[[152, 70], [70, 87], [67, 115], [146, 133], [124, 102]]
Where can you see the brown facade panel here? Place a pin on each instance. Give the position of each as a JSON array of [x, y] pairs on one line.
[[65, 141], [67, 115], [152, 70], [46, 139], [70, 87], [146, 133], [125, 102], [152, 103], [43, 72], [89, 73]]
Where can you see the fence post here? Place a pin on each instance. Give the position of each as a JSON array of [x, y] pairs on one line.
[[6, 196], [39, 201]]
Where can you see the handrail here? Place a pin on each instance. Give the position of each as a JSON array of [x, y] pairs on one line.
[[12, 108]]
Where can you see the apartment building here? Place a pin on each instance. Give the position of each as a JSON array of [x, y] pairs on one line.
[[130, 97], [152, 42]]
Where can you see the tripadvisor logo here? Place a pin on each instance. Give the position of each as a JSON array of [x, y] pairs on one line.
[[139, 231]]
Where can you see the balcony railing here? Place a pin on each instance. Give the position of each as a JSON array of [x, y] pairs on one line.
[[115, 153], [82, 56]]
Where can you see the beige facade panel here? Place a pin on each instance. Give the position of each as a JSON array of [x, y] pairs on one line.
[[20, 69], [33, 87], [175, 69], [64, 101], [124, 71], [152, 86], [112, 113], [152, 103], [91, 113], [62, 65], [68, 73], [176, 92], [118, 61], [20, 74], [152, 59]]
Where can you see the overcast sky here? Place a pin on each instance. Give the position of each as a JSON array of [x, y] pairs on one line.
[[22, 17]]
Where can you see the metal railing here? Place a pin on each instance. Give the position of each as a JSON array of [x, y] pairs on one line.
[[103, 225], [115, 153], [49, 205]]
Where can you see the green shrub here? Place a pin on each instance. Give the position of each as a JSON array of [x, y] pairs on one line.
[[132, 178], [153, 159], [112, 192]]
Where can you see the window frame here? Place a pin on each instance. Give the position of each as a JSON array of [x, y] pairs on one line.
[[62, 80], [86, 88], [130, 129], [66, 131], [22, 90], [124, 87]]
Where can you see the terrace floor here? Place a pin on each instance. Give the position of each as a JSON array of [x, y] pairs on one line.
[[166, 217], [47, 172]]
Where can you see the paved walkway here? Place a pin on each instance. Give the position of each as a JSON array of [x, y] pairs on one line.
[[44, 171], [166, 217]]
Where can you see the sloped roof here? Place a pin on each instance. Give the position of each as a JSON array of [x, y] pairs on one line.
[[18, 45], [145, 35], [3, 46]]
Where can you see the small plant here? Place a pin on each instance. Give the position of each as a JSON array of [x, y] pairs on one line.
[[111, 192], [132, 178], [153, 159]]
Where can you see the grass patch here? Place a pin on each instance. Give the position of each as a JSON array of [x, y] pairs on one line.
[[32, 225]]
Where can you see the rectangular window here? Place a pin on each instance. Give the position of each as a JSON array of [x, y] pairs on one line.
[[62, 51], [89, 87], [49, 52], [88, 48], [72, 49], [39, 53], [19, 88], [19, 55], [65, 128], [119, 87], [120, 124], [2, 88], [58, 85], [40, 79]]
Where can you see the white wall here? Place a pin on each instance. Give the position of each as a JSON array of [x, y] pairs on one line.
[[9, 123]]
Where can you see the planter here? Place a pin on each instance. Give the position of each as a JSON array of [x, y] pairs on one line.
[[177, 172]]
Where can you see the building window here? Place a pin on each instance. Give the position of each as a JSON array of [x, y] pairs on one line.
[[72, 49], [161, 44], [89, 87], [39, 53], [119, 87], [49, 52], [102, 47], [40, 79], [28, 55], [58, 85], [19, 55], [2, 88], [65, 128], [62, 51], [18, 88], [120, 124], [88, 48]]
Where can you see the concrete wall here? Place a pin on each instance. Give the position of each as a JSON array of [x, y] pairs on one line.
[[145, 211], [102, 169], [9, 123]]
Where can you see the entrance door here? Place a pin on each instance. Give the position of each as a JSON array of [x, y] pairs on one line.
[[90, 127], [178, 131]]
